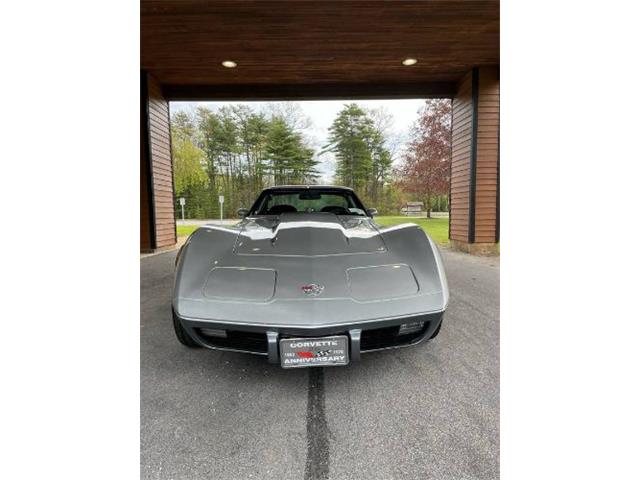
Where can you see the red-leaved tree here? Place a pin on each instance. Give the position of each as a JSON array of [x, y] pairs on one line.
[[425, 168]]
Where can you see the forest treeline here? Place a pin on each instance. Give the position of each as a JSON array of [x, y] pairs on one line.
[[238, 150]]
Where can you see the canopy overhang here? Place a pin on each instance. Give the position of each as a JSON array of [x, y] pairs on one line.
[[313, 50]]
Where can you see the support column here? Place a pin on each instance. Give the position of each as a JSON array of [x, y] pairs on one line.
[[475, 207], [157, 216]]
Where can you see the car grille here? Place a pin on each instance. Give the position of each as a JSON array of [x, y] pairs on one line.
[[388, 337], [256, 342]]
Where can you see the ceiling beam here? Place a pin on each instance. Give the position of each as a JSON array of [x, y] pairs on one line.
[[336, 91]]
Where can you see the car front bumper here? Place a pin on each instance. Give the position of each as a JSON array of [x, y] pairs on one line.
[[367, 336]]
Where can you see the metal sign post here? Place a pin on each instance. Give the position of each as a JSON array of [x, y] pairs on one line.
[[221, 200], [182, 202]]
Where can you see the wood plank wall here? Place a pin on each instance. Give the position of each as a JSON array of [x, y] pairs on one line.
[[461, 125], [161, 166], [146, 222], [483, 221], [487, 155]]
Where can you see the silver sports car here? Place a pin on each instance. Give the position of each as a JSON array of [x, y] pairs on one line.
[[307, 278]]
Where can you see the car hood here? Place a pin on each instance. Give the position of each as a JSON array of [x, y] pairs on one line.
[[301, 234], [360, 271]]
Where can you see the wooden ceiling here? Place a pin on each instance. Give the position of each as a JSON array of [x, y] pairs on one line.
[[315, 49]]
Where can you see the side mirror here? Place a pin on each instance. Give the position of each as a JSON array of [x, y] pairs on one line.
[[372, 211], [243, 212]]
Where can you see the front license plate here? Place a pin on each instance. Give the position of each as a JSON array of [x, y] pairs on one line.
[[314, 352]]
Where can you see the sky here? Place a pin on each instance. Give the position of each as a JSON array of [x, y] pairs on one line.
[[321, 114]]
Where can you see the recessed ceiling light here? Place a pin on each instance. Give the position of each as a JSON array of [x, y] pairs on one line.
[[229, 64], [409, 61]]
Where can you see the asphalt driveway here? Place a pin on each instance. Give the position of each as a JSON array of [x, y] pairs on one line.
[[428, 412]]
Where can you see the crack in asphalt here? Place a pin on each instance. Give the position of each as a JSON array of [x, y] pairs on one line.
[[317, 465]]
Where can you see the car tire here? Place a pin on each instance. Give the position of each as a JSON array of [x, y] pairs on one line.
[[181, 333], [437, 331]]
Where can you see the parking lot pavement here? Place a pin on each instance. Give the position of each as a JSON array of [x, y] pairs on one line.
[[429, 411]]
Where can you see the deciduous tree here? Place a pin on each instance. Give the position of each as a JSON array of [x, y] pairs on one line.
[[426, 164]]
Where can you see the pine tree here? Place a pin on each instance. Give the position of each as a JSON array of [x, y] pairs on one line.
[[362, 160], [236, 151], [289, 160]]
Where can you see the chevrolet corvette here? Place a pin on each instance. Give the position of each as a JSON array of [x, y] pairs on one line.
[[307, 278]]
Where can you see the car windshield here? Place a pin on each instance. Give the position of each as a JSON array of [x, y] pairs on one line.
[[340, 202]]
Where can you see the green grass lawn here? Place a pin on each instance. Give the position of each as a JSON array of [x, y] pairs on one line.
[[186, 230], [438, 228]]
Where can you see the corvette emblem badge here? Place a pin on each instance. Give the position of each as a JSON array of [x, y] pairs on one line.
[[312, 289]]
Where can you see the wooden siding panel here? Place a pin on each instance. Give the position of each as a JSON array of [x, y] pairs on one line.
[[161, 166], [461, 160], [146, 242], [487, 151], [487, 154]]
